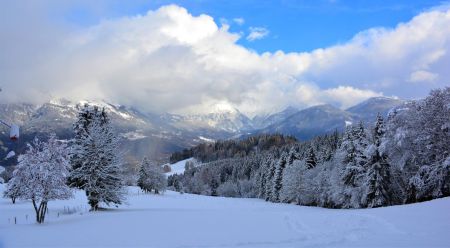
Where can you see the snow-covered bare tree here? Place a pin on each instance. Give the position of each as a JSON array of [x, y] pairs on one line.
[[96, 165], [41, 175]]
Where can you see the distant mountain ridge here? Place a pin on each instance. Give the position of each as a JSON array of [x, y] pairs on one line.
[[307, 123], [158, 135]]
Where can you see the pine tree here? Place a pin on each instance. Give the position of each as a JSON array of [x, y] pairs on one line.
[[269, 178], [350, 172], [351, 169], [96, 164], [142, 181], [86, 116], [277, 180], [311, 159], [151, 177], [261, 180], [293, 155], [361, 142], [378, 176]]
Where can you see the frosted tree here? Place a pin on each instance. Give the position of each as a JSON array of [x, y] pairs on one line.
[[81, 128], [40, 175], [293, 155], [378, 178], [95, 160], [278, 178], [433, 146], [269, 176], [292, 181], [12, 190], [347, 155], [142, 181], [151, 177], [418, 135], [361, 142], [311, 160], [351, 171], [261, 180]]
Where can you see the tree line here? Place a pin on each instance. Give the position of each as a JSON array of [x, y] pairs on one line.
[[222, 149], [404, 158]]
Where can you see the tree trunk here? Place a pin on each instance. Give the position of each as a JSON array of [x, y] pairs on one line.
[[36, 210], [92, 200], [40, 211], [13, 199]]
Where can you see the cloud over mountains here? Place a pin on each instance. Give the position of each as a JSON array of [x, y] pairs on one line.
[[170, 60]]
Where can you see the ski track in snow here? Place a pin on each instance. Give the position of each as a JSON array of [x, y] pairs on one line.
[[188, 221]]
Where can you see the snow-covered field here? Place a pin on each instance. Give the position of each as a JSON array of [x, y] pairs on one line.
[[184, 220], [178, 167]]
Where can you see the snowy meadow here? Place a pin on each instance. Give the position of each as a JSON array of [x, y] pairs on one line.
[[185, 220]]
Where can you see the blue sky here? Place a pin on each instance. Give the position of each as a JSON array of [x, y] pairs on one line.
[[178, 56], [293, 26]]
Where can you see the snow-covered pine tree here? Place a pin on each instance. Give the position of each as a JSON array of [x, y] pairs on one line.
[[293, 155], [97, 164], [260, 183], [347, 154], [269, 175], [142, 181], [350, 171], [361, 142], [86, 115], [278, 178], [40, 175], [151, 177], [311, 160], [378, 177]]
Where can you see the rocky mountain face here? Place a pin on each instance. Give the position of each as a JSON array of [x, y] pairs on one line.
[[158, 135]]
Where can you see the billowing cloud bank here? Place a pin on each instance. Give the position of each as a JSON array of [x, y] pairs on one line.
[[169, 60]]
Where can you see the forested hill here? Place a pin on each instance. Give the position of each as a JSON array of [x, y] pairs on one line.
[[404, 158], [207, 152]]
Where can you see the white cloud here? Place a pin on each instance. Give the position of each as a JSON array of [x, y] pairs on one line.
[[257, 33], [169, 60], [422, 76], [239, 21]]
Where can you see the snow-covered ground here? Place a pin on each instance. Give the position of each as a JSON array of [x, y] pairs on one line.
[[184, 220], [178, 167]]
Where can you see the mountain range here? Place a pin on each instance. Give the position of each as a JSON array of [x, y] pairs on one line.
[[158, 135]]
